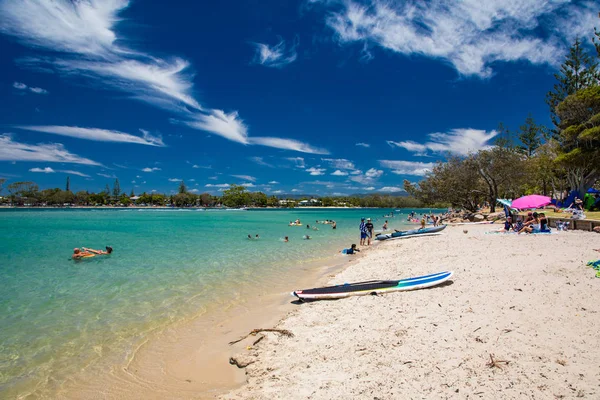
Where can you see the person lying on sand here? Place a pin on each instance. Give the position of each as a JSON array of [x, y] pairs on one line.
[[108, 250], [352, 249]]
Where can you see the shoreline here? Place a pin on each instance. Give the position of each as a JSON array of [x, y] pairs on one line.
[[531, 307], [190, 358]]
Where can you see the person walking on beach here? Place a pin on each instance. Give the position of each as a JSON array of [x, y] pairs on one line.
[[363, 231], [369, 227]]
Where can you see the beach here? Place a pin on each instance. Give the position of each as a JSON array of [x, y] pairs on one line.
[[519, 319]]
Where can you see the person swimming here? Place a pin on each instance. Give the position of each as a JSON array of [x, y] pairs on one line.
[[286, 239], [306, 237], [78, 254], [109, 250]]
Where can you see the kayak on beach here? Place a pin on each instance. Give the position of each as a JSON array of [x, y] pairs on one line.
[[411, 232], [373, 287]]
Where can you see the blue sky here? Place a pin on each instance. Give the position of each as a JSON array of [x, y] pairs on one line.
[[316, 96]]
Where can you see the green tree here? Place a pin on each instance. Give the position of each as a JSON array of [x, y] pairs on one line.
[[579, 71], [236, 196], [82, 198], [579, 140], [24, 192], [182, 188], [116, 190], [531, 136]]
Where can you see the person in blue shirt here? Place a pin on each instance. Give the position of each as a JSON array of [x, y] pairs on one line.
[[508, 226], [363, 231], [352, 249]]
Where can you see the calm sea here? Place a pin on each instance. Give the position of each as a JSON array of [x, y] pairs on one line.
[[58, 315]]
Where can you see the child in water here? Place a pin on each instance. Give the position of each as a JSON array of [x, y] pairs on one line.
[[352, 249]]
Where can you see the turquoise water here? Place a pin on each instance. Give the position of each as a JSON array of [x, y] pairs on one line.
[[58, 315]]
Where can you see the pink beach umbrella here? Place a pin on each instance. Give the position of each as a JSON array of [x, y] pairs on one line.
[[531, 201]]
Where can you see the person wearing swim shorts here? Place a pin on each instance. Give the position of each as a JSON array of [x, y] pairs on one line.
[[363, 231], [369, 226]]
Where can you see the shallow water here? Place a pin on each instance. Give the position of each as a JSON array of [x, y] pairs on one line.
[[58, 316]]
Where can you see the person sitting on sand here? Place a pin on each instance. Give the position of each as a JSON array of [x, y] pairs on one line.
[[101, 252], [78, 254], [508, 225], [352, 249], [531, 226], [529, 217], [518, 225], [544, 228]]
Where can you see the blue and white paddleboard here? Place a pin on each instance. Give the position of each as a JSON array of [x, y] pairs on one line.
[[373, 287]]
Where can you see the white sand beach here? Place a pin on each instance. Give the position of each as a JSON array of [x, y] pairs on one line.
[[520, 319]]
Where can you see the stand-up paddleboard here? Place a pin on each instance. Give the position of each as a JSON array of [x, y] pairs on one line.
[[373, 287], [412, 232]]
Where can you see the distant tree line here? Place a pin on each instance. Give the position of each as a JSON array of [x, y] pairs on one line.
[[533, 158], [28, 194]]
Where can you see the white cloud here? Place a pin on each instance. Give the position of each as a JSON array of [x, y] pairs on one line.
[[470, 35], [295, 190], [316, 171], [391, 189], [247, 184], [298, 161], [370, 188], [213, 177], [217, 185], [71, 172], [52, 152], [363, 144], [337, 172], [96, 134], [148, 169], [261, 161], [287, 144], [340, 163], [22, 86], [38, 90], [368, 178], [277, 191], [457, 141], [273, 183], [107, 175], [175, 180], [245, 177], [275, 56], [194, 191], [138, 176], [46, 170], [201, 166], [84, 42], [407, 167], [192, 180]]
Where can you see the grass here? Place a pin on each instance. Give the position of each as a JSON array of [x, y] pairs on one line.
[[595, 215]]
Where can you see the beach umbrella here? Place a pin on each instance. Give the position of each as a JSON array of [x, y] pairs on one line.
[[531, 201]]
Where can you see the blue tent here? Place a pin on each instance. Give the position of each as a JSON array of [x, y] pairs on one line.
[[593, 191]]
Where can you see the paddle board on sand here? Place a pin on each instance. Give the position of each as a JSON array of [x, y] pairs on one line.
[[373, 287]]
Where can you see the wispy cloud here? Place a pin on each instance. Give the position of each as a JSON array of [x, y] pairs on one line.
[[457, 141], [112, 176], [273, 183], [340, 163], [298, 161], [276, 56], [261, 161], [71, 172], [148, 169], [391, 189], [287, 144], [80, 38], [363, 145], [46, 170], [217, 185], [368, 178], [245, 177], [11, 150], [316, 171], [470, 35], [202, 166], [36, 90], [96, 134], [337, 172], [407, 167], [175, 180]]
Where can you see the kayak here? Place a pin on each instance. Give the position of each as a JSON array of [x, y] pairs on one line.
[[411, 232], [373, 287]]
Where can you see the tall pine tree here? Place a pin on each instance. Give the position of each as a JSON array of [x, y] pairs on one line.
[[579, 71], [68, 188], [530, 135], [116, 189]]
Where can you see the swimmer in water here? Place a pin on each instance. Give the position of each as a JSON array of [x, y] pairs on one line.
[[100, 252]]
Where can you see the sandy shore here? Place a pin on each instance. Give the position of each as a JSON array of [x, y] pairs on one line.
[[527, 301]]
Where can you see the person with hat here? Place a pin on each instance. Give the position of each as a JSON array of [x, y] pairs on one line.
[[369, 227], [363, 231]]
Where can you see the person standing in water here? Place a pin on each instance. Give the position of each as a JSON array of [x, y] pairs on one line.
[[369, 227], [363, 231]]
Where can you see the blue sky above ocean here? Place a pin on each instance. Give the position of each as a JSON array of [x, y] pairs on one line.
[[323, 97]]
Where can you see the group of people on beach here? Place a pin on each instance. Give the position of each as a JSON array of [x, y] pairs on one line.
[[533, 223]]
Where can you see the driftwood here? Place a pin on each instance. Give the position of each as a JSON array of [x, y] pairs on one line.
[[496, 363], [240, 364], [284, 332]]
